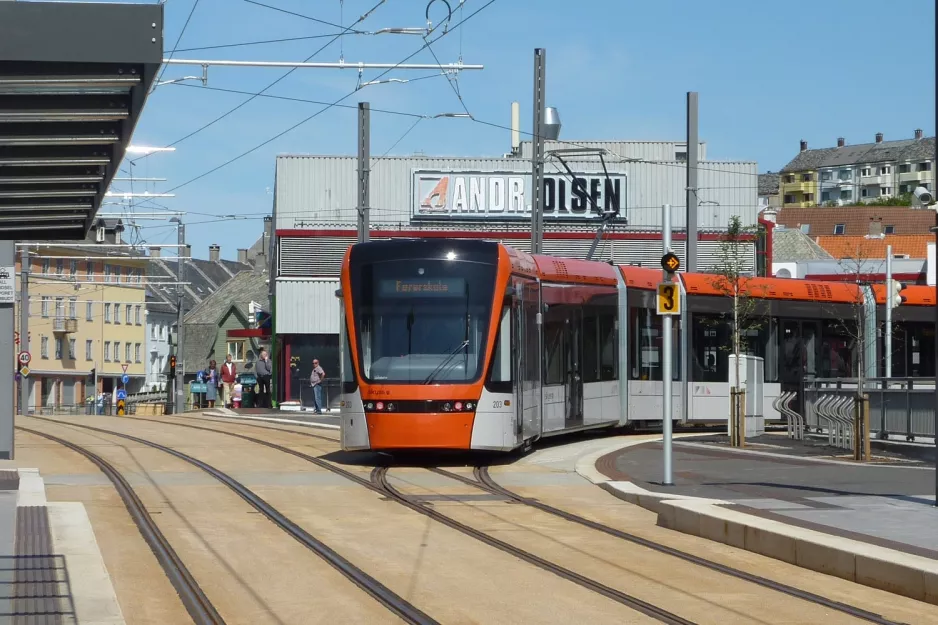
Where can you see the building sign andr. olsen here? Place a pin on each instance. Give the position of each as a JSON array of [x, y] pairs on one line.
[[475, 195]]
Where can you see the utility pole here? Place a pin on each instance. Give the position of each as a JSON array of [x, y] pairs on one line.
[[666, 339], [889, 304], [178, 383], [537, 154], [7, 347], [692, 145], [24, 325], [364, 170]]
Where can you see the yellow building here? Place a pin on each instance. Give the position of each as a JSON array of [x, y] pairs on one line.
[[86, 315]]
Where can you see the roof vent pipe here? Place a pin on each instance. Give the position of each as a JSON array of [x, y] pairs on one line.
[[551, 124]]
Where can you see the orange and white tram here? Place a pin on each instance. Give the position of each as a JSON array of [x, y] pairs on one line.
[[470, 344]]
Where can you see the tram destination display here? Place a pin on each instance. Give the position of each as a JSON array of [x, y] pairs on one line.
[[423, 287]]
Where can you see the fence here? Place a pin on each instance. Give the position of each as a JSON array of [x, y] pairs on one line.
[[898, 406]]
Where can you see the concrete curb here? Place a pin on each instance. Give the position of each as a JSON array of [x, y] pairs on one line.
[[324, 426], [856, 561]]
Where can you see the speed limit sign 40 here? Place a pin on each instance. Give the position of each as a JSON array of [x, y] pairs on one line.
[[24, 358]]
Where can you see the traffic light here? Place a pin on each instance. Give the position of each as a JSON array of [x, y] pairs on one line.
[[894, 297], [172, 365]]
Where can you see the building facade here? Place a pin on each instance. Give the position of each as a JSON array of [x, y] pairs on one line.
[[315, 221], [161, 319], [849, 174], [86, 317]]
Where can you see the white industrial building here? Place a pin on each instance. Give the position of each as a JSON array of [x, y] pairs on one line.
[[315, 219]]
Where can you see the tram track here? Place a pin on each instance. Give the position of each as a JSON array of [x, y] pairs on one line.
[[197, 604], [483, 481], [395, 603], [379, 477]]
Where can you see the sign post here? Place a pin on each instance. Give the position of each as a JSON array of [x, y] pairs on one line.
[[669, 304]]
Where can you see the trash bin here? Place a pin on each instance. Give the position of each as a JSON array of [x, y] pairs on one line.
[[248, 385]]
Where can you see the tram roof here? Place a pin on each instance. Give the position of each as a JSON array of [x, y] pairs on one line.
[[774, 288], [74, 78], [915, 294]]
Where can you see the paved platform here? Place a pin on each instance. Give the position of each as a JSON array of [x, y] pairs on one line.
[[327, 420], [793, 491], [50, 568]]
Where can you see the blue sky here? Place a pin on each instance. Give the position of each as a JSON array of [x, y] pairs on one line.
[[768, 75]]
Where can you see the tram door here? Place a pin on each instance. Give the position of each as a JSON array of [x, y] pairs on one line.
[[526, 348], [798, 340], [574, 364]]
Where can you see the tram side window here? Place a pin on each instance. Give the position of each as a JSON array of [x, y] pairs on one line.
[[349, 384], [555, 345], [500, 372], [646, 340], [590, 347], [608, 343]]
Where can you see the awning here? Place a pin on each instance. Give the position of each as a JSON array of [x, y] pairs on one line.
[[74, 78]]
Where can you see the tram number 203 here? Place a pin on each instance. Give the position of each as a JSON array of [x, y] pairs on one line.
[[498, 404]]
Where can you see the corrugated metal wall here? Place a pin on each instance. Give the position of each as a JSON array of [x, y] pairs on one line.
[[322, 256], [644, 150], [316, 191], [308, 306]]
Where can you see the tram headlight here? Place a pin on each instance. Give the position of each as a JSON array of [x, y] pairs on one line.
[[390, 407], [447, 407]]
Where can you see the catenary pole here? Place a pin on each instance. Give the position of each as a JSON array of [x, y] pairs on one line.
[[364, 169], [693, 144], [178, 383], [666, 339], [888, 337], [24, 325], [537, 154]]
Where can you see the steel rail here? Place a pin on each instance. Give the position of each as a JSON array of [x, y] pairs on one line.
[[394, 602], [379, 477], [378, 484], [488, 484], [198, 605]]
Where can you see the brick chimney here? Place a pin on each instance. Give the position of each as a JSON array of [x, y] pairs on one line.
[[242, 256], [154, 252], [840, 142], [879, 137], [918, 134], [804, 145], [214, 252], [876, 228]]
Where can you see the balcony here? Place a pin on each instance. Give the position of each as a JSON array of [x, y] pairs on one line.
[[914, 177], [798, 187], [877, 180], [60, 325]]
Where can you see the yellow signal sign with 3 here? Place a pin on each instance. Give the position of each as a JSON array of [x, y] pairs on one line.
[[669, 298]]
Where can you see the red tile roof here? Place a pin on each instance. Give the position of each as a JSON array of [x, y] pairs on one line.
[[856, 219]]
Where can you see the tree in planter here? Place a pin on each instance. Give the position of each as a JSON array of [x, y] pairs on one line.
[[732, 277], [861, 332]]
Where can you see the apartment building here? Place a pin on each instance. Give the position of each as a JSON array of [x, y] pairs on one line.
[[854, 174], [86, 314]]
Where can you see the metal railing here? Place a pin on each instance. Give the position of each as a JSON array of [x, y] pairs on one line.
[[898, 406]]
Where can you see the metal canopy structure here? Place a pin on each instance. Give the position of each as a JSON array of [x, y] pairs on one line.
[[74, 78]]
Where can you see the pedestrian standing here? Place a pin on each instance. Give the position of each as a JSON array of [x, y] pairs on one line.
[[211, 383], [315, 380], [264, 370], [229, 373]]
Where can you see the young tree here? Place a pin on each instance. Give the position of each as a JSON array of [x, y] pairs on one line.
[[732, 277], [859, 330]]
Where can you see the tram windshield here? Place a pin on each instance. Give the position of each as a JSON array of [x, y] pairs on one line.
[[422, 321]]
